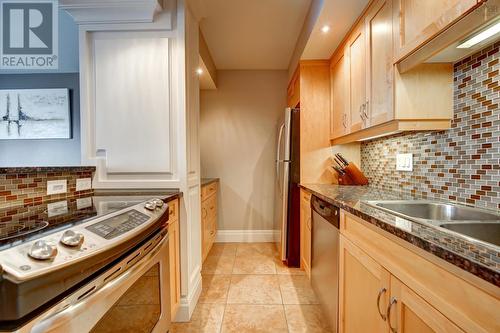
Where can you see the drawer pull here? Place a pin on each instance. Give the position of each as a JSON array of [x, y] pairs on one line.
[[382, 291], [393, 301]]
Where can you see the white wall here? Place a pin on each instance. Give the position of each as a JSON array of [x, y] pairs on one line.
[[238, 137]]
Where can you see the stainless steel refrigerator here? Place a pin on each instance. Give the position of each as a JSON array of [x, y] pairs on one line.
[[287, 192]]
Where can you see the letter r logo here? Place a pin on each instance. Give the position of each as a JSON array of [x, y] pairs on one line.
[[27, 28]]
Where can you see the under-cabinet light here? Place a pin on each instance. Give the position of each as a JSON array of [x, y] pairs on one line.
[[199, 71], [483, 35], [325, 29]]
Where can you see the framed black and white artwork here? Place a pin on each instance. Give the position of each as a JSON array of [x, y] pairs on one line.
[[35, 114]]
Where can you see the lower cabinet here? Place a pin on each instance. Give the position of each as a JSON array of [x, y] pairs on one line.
[[372, 300], [208, 218], [410, 313], [384, 286], [305, 231], [174, 256], [363, 291]]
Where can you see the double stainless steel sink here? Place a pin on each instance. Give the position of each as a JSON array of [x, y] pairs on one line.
[[475, 223]]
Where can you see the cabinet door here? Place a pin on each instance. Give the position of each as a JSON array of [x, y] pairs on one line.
[[379, 61], [363, 291], [293, 91], [339, 125], [417, 21], [305, 231], [175, 268], [411, 314], [357, 79]]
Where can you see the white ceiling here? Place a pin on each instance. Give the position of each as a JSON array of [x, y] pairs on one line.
[[252, 34], [339, 15]]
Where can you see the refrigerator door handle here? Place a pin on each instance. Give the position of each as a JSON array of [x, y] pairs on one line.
[[278, 150]]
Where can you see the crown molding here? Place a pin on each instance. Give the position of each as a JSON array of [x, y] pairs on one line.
[[111, 11]]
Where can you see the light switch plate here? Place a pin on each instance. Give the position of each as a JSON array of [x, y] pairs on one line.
[[404, 162], [57, 186], [83, 184]]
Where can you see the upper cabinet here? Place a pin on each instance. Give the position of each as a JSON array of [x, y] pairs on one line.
[[293, 91], [379, 65], [417, 21], [371, 96], [339, 122], [356, 54]]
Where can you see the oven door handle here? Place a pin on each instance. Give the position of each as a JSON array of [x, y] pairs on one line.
[[102, 285]]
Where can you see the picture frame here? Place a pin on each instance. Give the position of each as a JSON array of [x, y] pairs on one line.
[[35, 114]]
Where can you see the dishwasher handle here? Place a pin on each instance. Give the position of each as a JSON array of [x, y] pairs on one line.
[[326, 210]]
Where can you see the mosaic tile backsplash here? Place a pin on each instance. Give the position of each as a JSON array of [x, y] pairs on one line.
[[28, 186], [460, 164]]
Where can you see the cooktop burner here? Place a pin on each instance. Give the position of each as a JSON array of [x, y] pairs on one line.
[[17, 229]]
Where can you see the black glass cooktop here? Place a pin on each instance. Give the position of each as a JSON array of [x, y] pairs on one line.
[[20, 224]]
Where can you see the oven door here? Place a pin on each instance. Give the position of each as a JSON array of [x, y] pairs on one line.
[[132, 296]]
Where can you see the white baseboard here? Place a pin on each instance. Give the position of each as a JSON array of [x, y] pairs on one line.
[[188, 304], [247, 236]]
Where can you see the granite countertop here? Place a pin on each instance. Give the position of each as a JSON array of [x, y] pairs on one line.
[[40, 169], [472, 256], [206, 181]]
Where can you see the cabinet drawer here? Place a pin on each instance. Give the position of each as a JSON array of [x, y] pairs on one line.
[[209, 208], [173, 210], [208, 190]]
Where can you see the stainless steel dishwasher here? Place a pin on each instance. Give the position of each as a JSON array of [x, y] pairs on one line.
[[325, 257]]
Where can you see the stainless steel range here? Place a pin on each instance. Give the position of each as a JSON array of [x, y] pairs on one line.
[[100, 268]]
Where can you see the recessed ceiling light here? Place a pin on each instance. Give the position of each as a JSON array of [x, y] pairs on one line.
[[325, 29], [199, 71], [483, 35]]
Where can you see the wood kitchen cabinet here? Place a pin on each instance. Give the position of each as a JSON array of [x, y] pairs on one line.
[[365, 282], [293, 91], [305, 231], [208, 217], [418, 21], [339, 125], [411, 314], [174, 257], [366, 291], [310, 89], [379, 64], [386, 285], [380, 99], [356, 54]]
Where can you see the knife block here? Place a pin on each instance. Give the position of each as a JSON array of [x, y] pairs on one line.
[[345, 180], [352, 176], [357, 177]]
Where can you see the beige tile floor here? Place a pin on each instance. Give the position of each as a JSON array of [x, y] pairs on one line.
[[246, 288]]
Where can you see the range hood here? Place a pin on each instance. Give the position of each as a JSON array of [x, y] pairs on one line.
[[443, 47]]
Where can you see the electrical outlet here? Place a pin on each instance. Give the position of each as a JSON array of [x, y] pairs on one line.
[[57, 186], [404, 162], [57, 208], [83, 184], [82, 203]]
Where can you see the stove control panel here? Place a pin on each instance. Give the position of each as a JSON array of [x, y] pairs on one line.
[[118, 225], [57, 250]]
